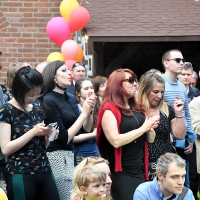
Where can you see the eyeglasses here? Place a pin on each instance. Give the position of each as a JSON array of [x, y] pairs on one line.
[[131, 80], [178, 60], [78, 64], [35, 97]]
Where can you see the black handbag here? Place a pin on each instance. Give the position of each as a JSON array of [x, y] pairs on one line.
[[152, 170]]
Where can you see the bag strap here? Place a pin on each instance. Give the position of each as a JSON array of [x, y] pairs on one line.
[[184, 192]]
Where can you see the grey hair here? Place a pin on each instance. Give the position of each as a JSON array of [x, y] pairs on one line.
[[195, 75], [165, 160], [187, 65]]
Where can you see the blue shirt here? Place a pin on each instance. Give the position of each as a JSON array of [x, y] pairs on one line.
[[150, 190], [177, 89]]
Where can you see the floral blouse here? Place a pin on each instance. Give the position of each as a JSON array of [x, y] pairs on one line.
[[31, 158]]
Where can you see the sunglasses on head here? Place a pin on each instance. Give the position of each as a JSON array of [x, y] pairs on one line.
[[131, 79], [78, 64], [178, 60], [16, 63]]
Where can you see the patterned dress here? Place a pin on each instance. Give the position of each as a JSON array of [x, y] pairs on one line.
[[31, 158]]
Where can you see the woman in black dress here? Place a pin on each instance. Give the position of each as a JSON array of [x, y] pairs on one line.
[[121, 133], [150, 94]]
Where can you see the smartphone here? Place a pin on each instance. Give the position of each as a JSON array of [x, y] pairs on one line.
[[52, 124]]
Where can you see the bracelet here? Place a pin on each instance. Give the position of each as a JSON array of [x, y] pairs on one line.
[[179, 117]]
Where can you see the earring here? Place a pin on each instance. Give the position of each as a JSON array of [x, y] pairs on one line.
[[55, 81]]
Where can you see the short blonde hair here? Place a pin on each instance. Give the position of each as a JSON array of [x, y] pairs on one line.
[[89, 174]]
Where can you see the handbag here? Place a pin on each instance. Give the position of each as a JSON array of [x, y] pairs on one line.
[[152, 170]]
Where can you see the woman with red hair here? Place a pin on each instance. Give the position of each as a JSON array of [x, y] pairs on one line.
[[121, 132]]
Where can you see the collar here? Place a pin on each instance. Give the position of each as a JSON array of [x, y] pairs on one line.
[[158, 190], [168, 80]]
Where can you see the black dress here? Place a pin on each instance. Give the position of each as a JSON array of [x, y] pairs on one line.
[[124, 183], [161, 144]]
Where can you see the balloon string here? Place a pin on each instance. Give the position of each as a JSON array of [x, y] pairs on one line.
[[80, 2]]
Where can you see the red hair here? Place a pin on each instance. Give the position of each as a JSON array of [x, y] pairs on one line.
[[115, 92]]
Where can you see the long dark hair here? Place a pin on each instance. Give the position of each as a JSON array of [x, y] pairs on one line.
[[25, 80]]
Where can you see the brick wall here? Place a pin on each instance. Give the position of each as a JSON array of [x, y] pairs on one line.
[[23, 31]]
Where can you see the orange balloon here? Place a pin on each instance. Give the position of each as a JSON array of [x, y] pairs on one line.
[[79, 55]]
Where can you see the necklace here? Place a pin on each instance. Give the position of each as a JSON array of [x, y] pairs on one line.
[[137, 123], [136, 120]]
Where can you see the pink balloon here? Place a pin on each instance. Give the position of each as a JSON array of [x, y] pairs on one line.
[[58, 30], [79, 18], [69, 64], [69, 49]]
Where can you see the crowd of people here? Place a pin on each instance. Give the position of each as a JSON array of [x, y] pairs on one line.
[[115, 138]]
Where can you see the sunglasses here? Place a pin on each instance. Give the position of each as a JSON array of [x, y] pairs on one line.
[[131, 80], [91, 158], [78, 64], [178, 60], [16, 63]]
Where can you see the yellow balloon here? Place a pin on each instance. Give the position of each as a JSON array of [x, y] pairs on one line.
[[66, 7], [55, 56], [3, 195]]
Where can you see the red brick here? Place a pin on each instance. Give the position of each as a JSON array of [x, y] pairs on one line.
[[22, 40], [47, 15], [13, 9], [3, 9], [28, 4], [28, 10], [27, 25], [28, 20], [43, 45], [40, 35], [27, 14], [12, 4], [17, 25], [42, 40], [17, 45], [42, 10], [27, 45], [12, 50], [11, 40], [12, 30], [43, 5], [3, 25], [15, 34], [27, 34], [26, 50]]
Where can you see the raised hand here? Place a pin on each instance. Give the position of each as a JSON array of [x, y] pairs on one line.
[[178, 106]]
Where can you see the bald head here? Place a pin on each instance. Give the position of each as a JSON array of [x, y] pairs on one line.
[[41, 66]]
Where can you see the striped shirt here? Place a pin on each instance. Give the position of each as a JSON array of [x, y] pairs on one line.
[[177, 89]]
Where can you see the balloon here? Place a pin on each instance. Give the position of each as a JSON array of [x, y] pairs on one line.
[[69, 49], [79, 56], [55, 56], [3, 195], [66, 7], [79, 18], [58, 30], [69, 64]]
